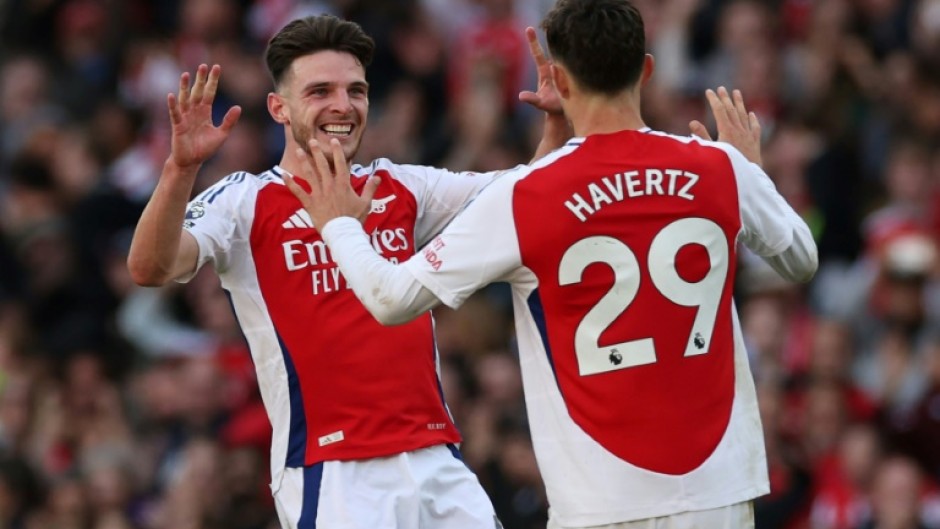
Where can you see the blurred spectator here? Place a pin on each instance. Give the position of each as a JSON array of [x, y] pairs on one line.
[[20, 492], [841, 499], [25, 106], [900, 497], [916, 430], [790, 478]]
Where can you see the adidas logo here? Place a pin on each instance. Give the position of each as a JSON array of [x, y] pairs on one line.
[[300, 219]]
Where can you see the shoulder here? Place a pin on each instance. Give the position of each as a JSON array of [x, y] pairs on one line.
[[386, 167], [239, 183], [555, 160], [418, 178], [699, 146]]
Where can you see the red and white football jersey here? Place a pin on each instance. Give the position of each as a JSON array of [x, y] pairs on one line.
[[337, 385], [620, 249]]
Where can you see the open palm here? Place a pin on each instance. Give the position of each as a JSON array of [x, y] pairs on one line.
[[194, 137]]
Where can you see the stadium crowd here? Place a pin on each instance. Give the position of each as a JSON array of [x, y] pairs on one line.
[[123, 407]]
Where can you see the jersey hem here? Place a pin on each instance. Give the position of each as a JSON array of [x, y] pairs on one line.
[[378, 451], [657, 510]]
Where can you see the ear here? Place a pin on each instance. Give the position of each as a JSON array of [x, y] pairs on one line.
[[560, 78], [649, 64], [278, 109]]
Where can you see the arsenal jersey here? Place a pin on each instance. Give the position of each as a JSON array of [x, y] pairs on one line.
[[621, 250], [336, 384]]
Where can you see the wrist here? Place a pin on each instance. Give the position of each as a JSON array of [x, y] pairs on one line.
[[556, 128], [171, 166]]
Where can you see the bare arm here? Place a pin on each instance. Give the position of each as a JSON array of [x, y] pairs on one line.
[[161, 250]]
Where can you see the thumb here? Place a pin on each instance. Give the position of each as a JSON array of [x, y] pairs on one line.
[[699, 130], [231, 118], [527, 96]]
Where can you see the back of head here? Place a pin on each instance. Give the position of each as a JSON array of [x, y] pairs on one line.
[[307, 35], [600, 42]]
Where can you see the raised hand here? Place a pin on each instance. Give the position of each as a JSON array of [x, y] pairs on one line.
[[194, 138], [736, 125], [329, 193], [545, 97]]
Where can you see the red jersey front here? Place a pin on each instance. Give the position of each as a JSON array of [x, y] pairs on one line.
[[337, 385]]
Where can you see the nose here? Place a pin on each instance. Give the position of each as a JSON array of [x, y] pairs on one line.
[[341, 103]]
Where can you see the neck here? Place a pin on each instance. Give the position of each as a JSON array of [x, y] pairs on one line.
[[289, 162], [604, 114]]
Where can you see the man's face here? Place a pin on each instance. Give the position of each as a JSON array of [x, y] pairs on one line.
[[326, 96]]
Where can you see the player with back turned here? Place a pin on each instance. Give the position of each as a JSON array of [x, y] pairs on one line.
[[620, 248]]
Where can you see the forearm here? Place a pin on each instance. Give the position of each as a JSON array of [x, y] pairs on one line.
[[388, 291], [154, 256], [800, 260], [555, 132]]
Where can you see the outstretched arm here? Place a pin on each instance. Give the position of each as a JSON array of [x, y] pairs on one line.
[[161, 250], [741, 129]]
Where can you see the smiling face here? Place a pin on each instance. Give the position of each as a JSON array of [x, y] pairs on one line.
[[324, 95]]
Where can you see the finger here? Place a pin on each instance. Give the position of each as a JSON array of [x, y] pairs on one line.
[[725, 99], [340, 167], [212, 84], [321, 166], [183, 95], [296, 186], [535, 48], [199, 86], [754, 124], [230, 118], [528, 96], [533, 99], [698, 129], [307, 172], [718, 110], [173, 106], [372, 184], [739, 107]]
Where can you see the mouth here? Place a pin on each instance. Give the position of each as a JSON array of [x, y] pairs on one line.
[[337, 130]]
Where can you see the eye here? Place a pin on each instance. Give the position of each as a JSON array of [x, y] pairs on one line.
[[359, 91]]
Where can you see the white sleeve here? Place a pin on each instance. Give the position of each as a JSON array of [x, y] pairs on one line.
[[441, 194], [477, 248], [387, 290], [771, 228], [211, 218]]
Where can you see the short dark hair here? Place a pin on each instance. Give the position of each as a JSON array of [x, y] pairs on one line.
[[601, 42], [307, 35]]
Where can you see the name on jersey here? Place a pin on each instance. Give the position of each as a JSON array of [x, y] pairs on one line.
[[299, 254], [631, 184]]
